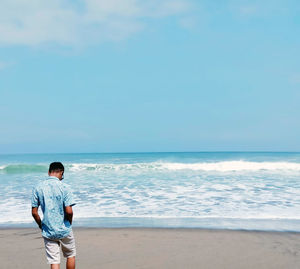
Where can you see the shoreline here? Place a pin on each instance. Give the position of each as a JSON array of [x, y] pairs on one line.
[[157, 248], [211, 223], [80, 228]]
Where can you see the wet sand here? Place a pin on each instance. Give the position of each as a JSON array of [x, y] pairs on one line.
[[143, 248]]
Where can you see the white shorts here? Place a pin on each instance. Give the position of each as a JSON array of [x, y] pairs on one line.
[[52, 247]]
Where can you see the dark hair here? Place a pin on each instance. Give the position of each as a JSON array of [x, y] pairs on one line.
[[56, 167]]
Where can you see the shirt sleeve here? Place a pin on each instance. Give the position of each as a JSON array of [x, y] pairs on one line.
[[35, 198], [68, 197]]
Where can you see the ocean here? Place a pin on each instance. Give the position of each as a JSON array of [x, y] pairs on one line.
[[215, 190]]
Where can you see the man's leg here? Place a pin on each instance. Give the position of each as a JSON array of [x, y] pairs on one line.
[[52, 252], [70, 263], [69, 250]]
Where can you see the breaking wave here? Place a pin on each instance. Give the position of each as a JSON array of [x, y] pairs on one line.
[[23, 168], [222, 166]]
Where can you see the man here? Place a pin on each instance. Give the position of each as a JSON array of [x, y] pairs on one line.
[[56, 202]]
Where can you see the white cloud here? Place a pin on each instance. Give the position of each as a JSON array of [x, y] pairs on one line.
[[74, 22], [4, 65], [295, 78], [258, 8], [245, 8], [189, 23]]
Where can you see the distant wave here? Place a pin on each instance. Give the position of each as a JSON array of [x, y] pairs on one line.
[[203, 166], [23, 168], [234, 166], [222, 166]]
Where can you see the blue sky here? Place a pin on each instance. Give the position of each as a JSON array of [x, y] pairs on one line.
[[130, 76]]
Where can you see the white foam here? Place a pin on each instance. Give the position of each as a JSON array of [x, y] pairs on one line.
[[222, 166], [12, 210], [234, 166]]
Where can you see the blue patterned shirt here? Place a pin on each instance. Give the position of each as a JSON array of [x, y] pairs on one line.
[[53, 195]]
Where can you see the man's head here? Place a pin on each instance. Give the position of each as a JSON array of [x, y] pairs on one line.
[[56, 169]]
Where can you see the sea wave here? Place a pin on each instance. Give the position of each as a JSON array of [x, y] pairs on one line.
[[234, 166], [221, 166], [23, 168]]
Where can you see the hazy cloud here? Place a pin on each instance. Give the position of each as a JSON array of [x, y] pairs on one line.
[[190, 22], [69, 22], [4, 65], [295, 78], [266, 8]]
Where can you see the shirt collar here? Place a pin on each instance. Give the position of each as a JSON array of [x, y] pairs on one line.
[[52, 177]]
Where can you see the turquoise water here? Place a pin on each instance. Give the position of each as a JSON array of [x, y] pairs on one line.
[[209, 189]]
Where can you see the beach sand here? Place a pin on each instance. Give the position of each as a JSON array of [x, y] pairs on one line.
[[144, 248]]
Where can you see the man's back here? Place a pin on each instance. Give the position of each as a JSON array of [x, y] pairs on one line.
[[56, 202], [53, 196]]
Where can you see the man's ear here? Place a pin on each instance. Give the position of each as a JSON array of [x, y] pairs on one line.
[[48, 173]]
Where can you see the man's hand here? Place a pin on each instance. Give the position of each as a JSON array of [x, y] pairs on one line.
[[36, 216], [69, 213]]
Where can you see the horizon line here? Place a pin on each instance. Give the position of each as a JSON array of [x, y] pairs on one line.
[[146, 152]]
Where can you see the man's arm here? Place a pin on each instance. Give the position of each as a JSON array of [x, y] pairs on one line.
[[69, 213], [36, 216]]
